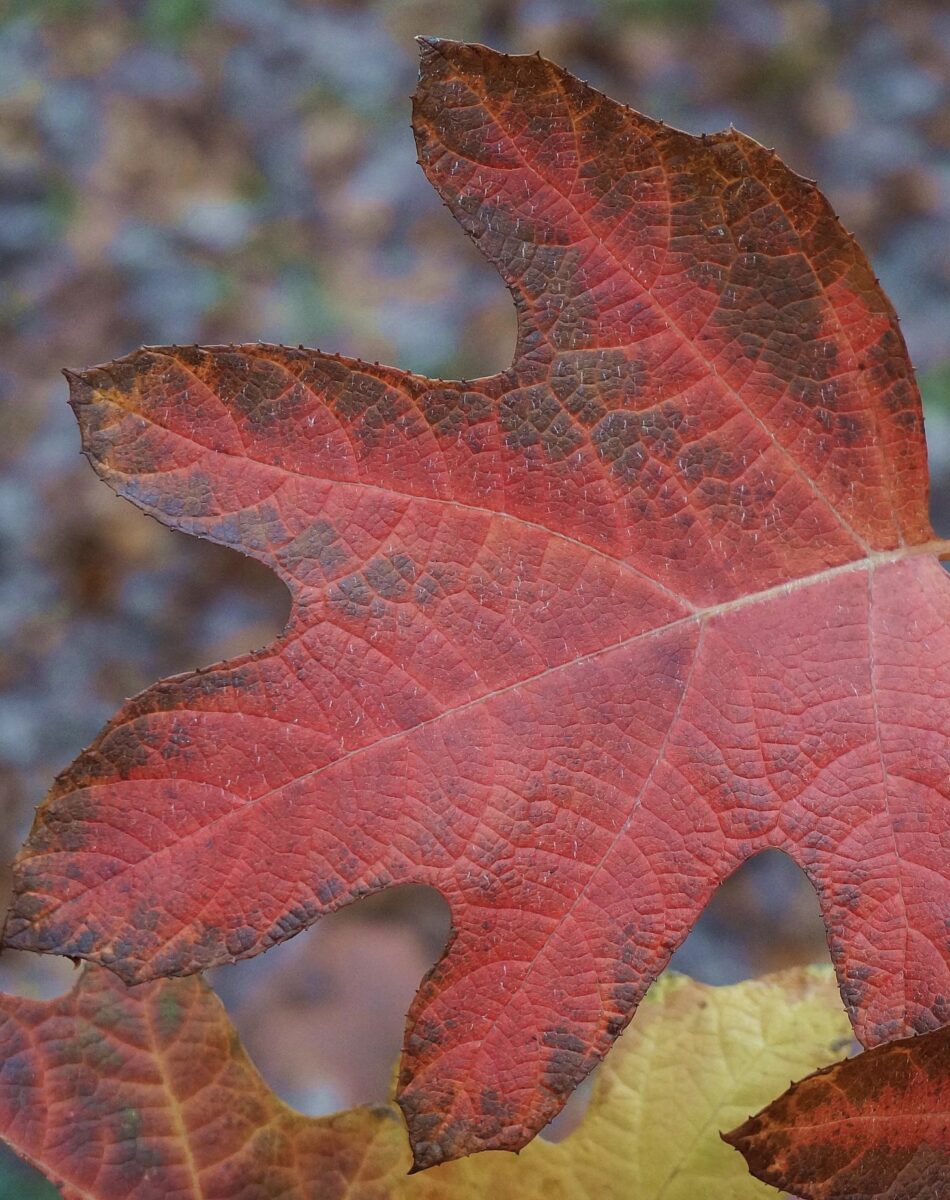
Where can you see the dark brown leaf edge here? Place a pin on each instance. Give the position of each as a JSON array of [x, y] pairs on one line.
[[874, 1127]]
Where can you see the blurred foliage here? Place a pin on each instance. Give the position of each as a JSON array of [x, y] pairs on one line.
[[686, 12], [20, 1182], [175, 21], [935, 388]]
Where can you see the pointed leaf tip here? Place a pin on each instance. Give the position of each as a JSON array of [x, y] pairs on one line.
[[432, 47], [873, 1125]]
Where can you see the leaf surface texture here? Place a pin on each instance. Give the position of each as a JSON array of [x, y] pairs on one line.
[[875, 1127], [568, 643], [145, 1092]]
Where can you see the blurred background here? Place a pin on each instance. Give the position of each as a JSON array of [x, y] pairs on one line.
[[231, 170]]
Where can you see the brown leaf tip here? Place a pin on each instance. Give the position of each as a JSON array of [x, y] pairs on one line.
[[433, 47], [79, 390]]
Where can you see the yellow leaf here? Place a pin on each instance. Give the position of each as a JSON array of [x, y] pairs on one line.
[[695, 1060], [158, 1068]]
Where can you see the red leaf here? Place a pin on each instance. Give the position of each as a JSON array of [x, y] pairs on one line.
[[877, 1125], [568, 643], [146, 1092]]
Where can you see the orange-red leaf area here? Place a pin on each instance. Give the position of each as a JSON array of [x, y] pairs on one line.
[[875, 1127], [568, 643], [146, 1093]]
